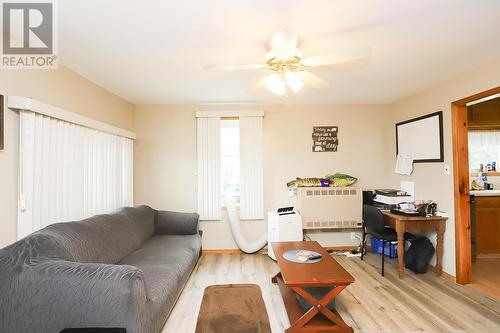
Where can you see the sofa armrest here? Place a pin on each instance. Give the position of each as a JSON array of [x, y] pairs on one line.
[[175, 223], [51, 295]]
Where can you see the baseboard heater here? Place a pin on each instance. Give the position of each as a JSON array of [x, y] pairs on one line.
[[330, 207]]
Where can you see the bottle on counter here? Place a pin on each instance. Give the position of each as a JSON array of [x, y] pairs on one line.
[[484, 179]]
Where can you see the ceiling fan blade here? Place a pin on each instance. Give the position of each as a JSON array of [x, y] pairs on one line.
[[336, 58], [230, 67], [313, 80]]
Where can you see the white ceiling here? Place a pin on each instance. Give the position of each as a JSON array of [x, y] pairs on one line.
[[153, 52]]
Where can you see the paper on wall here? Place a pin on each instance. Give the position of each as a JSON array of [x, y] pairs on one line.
[[404, 164], [408, 187]]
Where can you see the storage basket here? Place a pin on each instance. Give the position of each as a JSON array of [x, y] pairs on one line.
[[388, 252]]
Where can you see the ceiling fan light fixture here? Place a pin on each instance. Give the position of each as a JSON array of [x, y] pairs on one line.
[[278, 39], [289, 69], [283, 38], [283, 46], [275, 84], [284, 54], [293, 80]]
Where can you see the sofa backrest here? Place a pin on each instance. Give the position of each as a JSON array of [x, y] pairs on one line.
[[103, 238]]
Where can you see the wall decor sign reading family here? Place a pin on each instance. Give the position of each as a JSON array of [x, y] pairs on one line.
[[325, 138]]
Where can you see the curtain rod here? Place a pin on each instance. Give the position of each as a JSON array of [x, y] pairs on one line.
[[30, 104]]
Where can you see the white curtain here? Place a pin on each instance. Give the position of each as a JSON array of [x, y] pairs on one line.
[[209, 172], [251, 169], [484, 147], [69, 172]]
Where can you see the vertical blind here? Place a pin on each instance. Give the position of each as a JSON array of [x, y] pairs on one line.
[[69, 172], [208, 159], [251, 169], [209, 165]]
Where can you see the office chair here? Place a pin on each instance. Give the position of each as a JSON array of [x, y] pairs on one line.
[[373, 223]]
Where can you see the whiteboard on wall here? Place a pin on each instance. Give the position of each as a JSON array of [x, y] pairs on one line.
[[421, 138]]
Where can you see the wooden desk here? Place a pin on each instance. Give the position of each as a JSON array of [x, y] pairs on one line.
[[402, 223], [294, 277]]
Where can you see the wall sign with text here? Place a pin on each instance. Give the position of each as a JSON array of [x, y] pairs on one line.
[[325, 138]]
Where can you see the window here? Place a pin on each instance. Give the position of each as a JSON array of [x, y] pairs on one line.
[[230, 157], [68, 172], [229, 162], [484, 148]]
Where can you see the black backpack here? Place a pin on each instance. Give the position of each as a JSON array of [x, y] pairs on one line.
[[419, 254]]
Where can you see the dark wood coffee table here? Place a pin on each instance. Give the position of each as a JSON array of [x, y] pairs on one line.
[[294, 277]]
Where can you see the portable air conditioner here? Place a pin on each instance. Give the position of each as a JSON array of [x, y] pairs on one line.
[[283, 225], [330, 207]]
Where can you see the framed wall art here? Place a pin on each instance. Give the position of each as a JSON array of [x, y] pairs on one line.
[[325, 139], [421, 138]]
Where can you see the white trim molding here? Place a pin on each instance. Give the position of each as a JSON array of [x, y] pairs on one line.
[[218, 114], [29, 104]]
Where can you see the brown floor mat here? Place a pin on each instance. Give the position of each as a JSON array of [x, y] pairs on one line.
[[233, 308]]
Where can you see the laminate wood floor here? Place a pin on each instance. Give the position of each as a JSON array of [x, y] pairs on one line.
[[486, 276], [416, 303]]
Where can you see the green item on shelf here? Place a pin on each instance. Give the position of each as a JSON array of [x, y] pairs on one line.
[[340, 179]]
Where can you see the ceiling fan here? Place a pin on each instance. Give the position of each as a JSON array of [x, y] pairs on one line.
[[289, 67]]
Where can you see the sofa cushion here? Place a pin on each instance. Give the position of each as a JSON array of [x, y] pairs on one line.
[[142, 220], [166, 261], [106, 238]]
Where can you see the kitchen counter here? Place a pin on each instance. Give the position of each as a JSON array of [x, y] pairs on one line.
[[486, 193]]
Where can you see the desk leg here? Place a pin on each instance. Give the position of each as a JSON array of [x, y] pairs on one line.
[[400, 229], [439, 249]]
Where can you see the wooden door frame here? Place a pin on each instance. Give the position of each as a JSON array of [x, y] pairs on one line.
[[459, 125]]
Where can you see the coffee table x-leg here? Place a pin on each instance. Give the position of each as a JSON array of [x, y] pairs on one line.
[[318, 306]]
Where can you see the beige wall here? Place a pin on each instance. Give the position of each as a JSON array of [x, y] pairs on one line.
[[429, 178], [63, 88], [165, 150], [165, 158]]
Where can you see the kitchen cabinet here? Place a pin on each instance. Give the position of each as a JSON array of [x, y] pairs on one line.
[[484, 116], [487, 224]]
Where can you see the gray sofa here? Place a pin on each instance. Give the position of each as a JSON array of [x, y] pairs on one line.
[[121, 270]]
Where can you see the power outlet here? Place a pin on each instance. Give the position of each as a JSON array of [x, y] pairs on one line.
[[446, 169]]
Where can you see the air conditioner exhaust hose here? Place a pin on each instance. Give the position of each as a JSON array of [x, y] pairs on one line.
[[234, 224]]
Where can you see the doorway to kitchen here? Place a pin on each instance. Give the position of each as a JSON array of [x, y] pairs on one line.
[[476, 152]]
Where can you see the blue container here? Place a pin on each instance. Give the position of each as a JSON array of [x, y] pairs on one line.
[[388, 252]]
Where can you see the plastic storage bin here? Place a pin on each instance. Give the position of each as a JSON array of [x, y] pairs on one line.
[[388, 252]]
